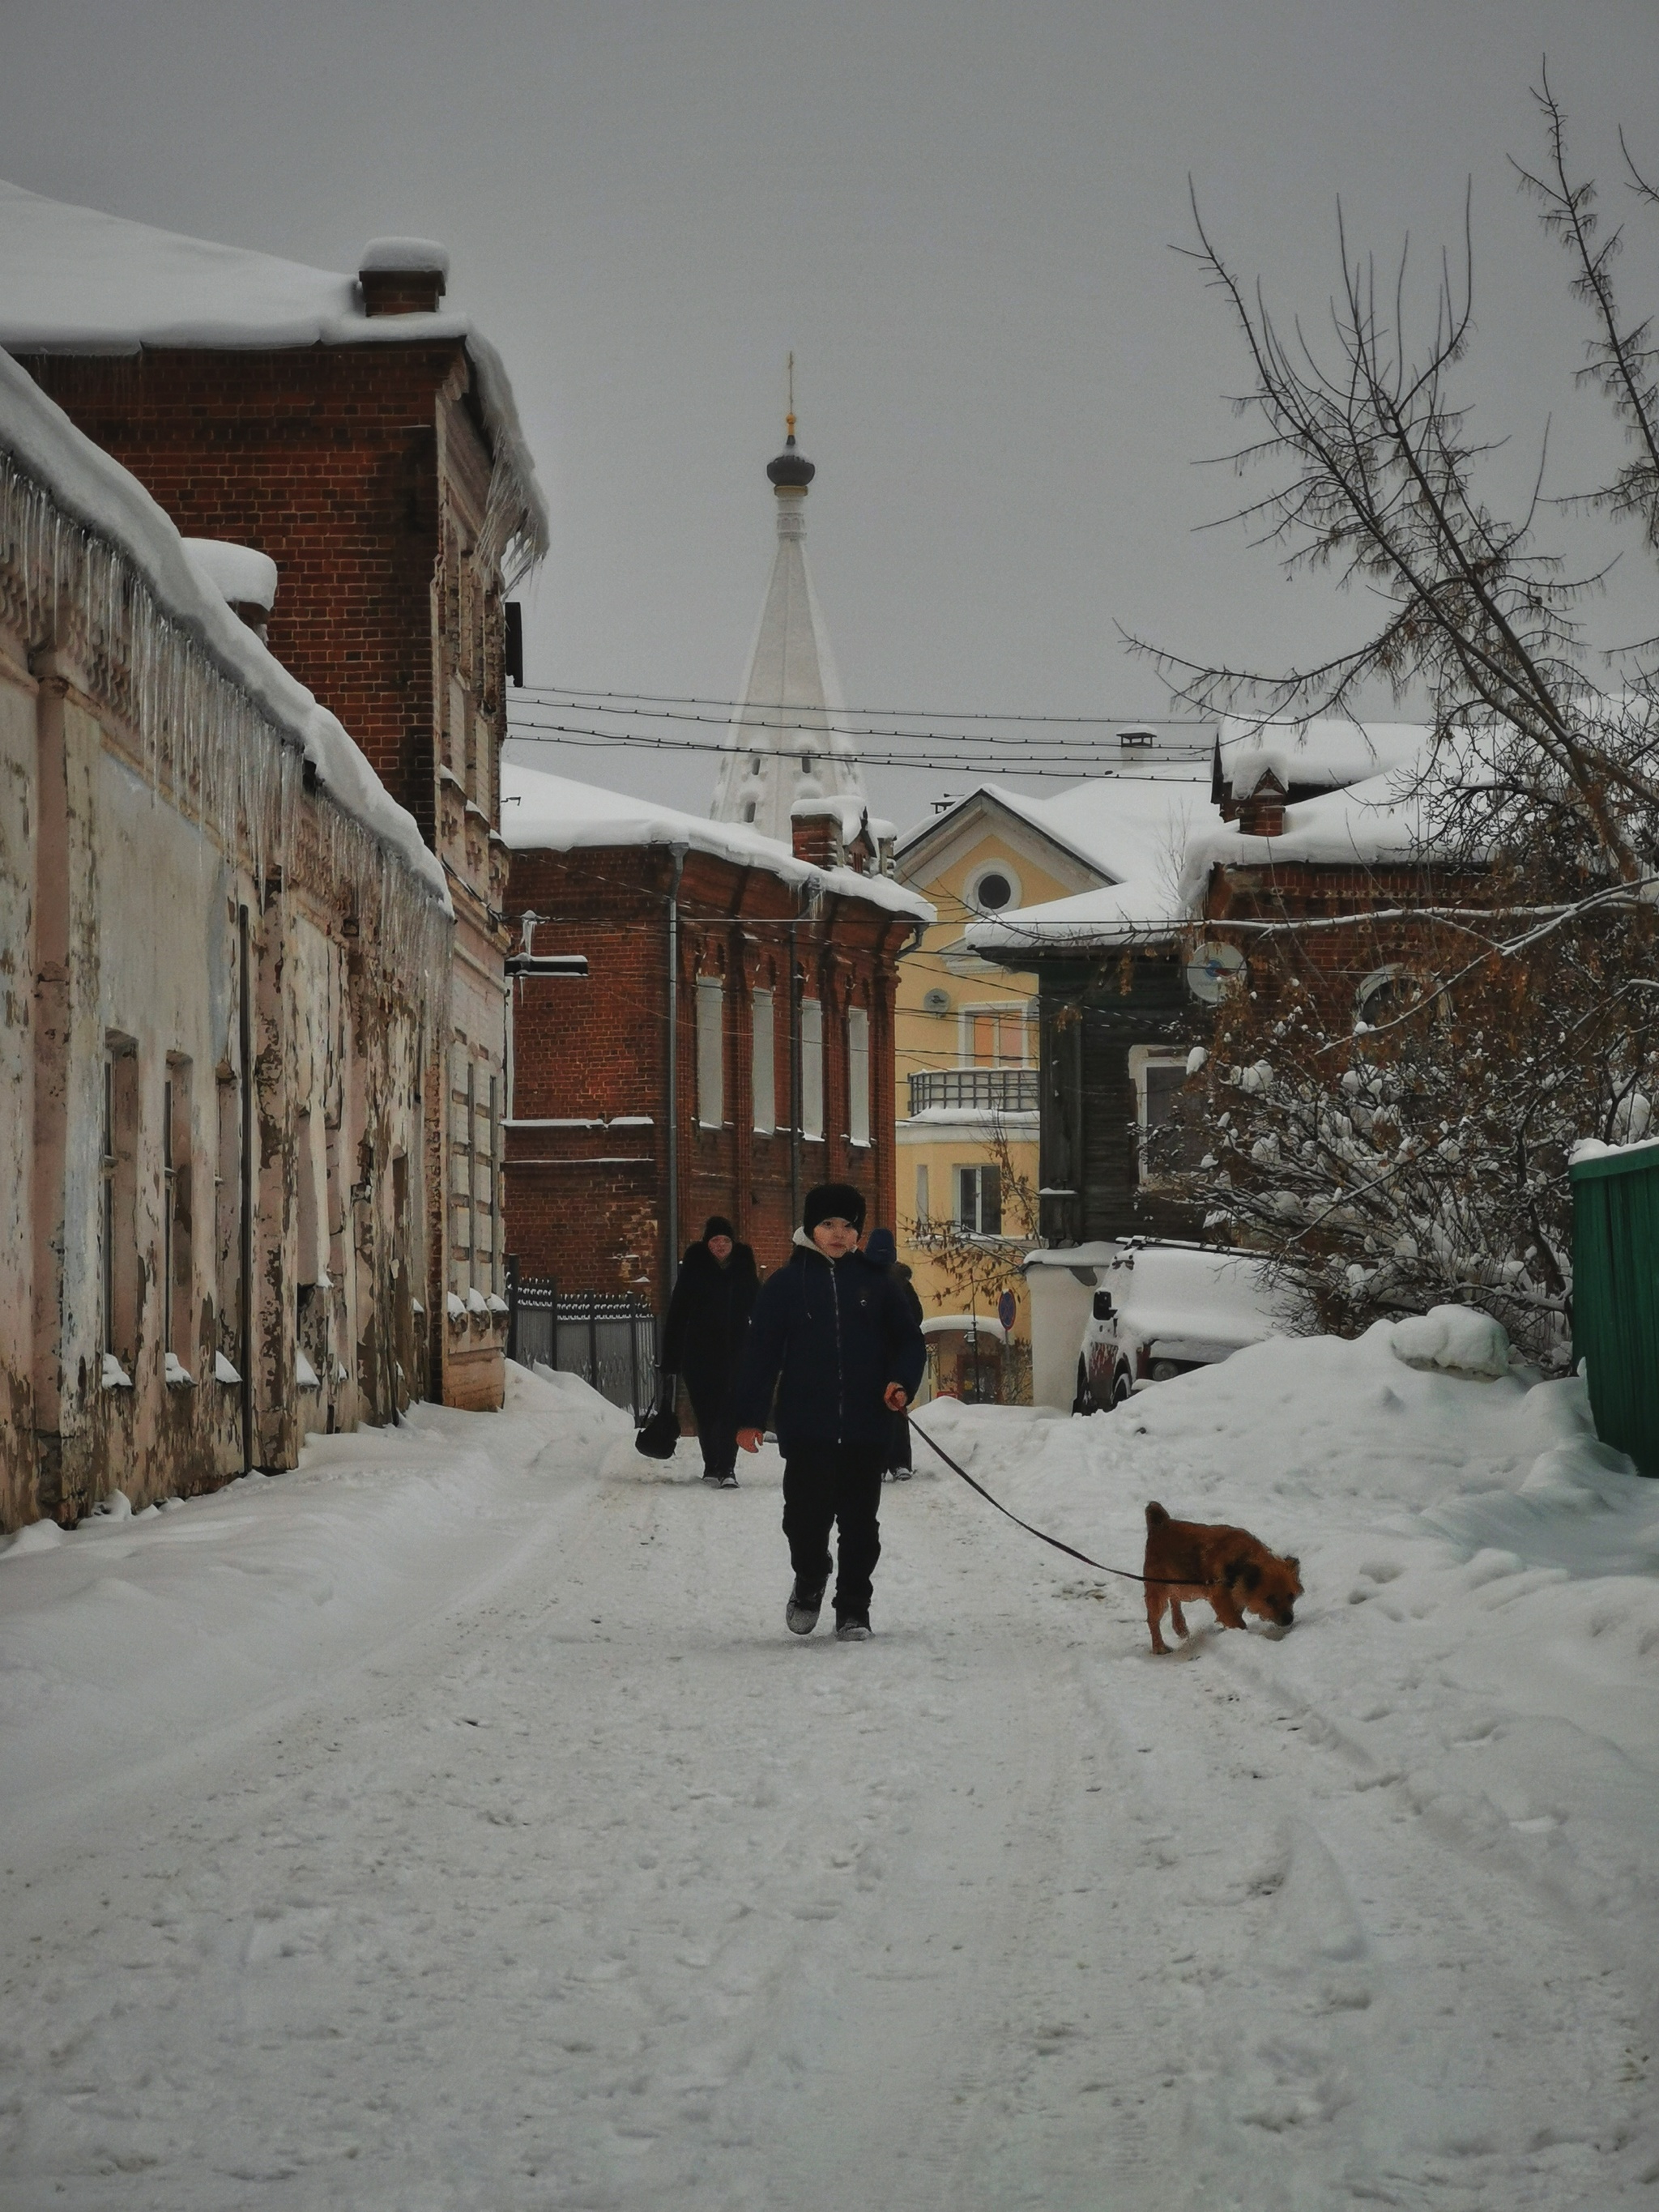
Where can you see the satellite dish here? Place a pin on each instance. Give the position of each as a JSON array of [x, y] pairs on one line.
[[1212, 970], [936, 1002]]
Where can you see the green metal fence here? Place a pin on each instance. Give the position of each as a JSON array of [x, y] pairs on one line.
[[1615, 1300]]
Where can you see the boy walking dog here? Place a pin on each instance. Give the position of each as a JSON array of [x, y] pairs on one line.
[[834, 1335]]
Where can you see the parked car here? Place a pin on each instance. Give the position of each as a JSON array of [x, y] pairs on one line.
[[1163, 1310]]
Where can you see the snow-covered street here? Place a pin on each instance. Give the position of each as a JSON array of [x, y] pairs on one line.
[[453, 1824]]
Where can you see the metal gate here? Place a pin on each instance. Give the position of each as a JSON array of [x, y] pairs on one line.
[[608, 1338]]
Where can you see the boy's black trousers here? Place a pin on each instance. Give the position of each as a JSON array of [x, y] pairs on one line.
[[824, 1484]]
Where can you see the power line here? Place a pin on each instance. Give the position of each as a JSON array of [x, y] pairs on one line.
[[1069, 766], [1138, 720]]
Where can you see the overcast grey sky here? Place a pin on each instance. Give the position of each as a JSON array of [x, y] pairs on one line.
[[960, 215]]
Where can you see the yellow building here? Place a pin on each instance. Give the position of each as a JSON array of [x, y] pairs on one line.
[[966, 1037]]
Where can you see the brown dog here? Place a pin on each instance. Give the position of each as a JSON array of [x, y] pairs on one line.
[[1227, 1568]]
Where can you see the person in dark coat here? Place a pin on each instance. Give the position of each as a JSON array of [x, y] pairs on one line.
[[707, 1322], [835, 1338], [882, 1247]]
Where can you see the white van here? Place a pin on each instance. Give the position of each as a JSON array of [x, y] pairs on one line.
[[1163, 1310]]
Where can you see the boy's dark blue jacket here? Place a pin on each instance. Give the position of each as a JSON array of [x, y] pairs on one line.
[[839, 1331]]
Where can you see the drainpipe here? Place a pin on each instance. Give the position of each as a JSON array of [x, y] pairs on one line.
[[671, 1239], [245, 1022]]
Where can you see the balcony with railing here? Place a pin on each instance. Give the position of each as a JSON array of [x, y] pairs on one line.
[[981, 1090]]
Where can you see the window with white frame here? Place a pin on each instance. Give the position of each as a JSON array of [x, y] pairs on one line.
[[979, 1201], [857, 1074], [993, 1036], [922, 1214], [811, 1067], [711, 1053], [1171, 1133], [763, 1075]]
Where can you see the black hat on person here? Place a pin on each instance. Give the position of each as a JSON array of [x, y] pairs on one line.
[[718, 1225], [831, 1198]]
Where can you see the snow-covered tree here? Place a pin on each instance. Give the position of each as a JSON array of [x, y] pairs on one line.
[[1421, 1153]]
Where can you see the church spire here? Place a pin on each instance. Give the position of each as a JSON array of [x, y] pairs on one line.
[[784, 742]]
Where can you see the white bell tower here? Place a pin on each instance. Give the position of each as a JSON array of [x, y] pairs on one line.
[[786, 741]]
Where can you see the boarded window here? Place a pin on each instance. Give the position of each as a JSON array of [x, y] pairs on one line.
[[811, 1067], [177, 1262], [996, 1036], [764, 1077], [119, 1227], [857, 1075], [711, 1052]]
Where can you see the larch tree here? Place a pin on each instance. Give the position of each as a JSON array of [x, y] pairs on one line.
[[1417, 1150]]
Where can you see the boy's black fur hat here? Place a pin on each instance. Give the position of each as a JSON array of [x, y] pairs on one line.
[[831, 1198], [718, 1225]]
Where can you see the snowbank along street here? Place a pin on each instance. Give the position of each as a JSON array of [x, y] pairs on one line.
[[452, 1823]]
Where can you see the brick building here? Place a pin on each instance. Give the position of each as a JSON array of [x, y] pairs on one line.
[[367, 442], [1128, 976], [225, 952], [780, 970]]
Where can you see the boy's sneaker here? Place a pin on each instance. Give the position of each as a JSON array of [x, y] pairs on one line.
[[853, 1628], [724, 1478], [900, 1474], [801, 1613]]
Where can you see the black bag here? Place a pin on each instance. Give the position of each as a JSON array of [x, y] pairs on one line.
[[661, 1431]]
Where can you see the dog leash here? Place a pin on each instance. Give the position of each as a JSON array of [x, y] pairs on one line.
[[1099, 1565]]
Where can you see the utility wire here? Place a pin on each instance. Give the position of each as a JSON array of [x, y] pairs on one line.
[[1071, 767], [562, 691]]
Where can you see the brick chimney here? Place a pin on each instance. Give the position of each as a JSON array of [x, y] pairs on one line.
[[1261, 810], [403, 276], [816, 837]]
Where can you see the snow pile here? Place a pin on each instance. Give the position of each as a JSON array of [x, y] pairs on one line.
[[1452, 1337], [541, 813]]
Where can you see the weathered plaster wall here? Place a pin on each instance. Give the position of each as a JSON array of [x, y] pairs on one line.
[[135, 1141], [17, 830]]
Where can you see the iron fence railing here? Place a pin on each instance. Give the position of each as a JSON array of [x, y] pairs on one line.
[[991, 1089], [608, 1337]]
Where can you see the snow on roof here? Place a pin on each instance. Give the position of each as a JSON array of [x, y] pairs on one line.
[[83, 480], [1134, 831], [422, 256], [1370, 824], [74, 279], [1328, 752], [241, 574], [1165, 840], [541, 813], [1111, 823]]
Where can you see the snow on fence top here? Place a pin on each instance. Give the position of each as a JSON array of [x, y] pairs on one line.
[[541, 812], [47, 464], [74, 279]]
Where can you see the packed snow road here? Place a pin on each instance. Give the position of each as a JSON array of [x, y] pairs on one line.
[[453, 1824]]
